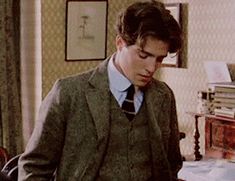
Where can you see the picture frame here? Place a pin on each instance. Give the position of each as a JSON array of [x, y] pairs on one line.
[[86, 30], [174, 60]]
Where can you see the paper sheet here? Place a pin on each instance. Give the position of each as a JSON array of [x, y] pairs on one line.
[[217, 71], [208, 170]]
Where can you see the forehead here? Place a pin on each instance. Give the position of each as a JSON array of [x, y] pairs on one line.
[[155, 46]]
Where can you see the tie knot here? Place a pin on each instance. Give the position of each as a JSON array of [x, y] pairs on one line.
[[130, 92]]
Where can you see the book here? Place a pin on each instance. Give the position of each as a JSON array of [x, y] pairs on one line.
[[225, 84], [224, 95], [230, 113], [229, 87], [222, 86], [222, 105], [224, 100]]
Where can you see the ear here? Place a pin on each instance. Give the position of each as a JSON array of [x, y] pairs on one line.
[[119, 43]]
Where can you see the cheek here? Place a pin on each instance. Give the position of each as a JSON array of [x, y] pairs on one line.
[[130, 62], [132, 65], [136, 65], [130, 69]]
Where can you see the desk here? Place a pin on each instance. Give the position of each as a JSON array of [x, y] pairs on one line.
[[219, 136], [197, 153]]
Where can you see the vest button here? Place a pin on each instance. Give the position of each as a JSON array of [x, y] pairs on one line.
[[131, 166]]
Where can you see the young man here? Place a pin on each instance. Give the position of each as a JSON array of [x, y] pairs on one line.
[[86, 128]]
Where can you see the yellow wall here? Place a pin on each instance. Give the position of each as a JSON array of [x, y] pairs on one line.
[[211, 36]]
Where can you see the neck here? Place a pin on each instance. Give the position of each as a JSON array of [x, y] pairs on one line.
[[117, 64]]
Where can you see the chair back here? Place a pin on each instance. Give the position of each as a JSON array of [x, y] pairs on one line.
[[10, 169]]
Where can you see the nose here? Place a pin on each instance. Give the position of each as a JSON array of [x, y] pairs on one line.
[[151, 65]]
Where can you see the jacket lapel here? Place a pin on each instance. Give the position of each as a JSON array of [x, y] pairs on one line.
[[98, 102], [98, 99]]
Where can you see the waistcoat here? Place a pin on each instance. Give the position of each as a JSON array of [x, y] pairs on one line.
[[128, 154]]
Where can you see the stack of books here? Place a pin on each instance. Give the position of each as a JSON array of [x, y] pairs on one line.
[[204, 102], [224, 99]]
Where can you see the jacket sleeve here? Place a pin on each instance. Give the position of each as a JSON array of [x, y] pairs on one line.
[[42, 153]]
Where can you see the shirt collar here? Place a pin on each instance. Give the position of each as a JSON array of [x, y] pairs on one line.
[[116, 79]]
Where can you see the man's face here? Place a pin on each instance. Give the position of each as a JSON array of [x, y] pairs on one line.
[[139, 64]]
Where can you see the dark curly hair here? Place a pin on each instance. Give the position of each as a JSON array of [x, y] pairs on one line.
[[149, 18]]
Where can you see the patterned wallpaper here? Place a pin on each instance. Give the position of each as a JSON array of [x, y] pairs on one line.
[[53, 41], [211, 36]]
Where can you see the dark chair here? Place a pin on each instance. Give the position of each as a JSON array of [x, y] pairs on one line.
[[10, 170]]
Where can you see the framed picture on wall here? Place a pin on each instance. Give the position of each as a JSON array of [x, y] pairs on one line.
[[86, 30], [173, 60]]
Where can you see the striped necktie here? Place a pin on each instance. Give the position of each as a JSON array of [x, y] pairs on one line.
[[128, 104]]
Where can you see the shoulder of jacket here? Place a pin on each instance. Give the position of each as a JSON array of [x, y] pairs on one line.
[[161, 85]]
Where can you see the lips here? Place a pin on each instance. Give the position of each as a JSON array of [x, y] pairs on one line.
[[145, 78]]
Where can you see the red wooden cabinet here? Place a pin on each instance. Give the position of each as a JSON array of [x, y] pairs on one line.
[[220, 137]]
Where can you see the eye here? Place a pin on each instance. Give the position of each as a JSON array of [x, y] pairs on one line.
[[142, 54]]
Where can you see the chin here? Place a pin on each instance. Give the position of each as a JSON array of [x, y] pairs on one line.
[[141, 84]]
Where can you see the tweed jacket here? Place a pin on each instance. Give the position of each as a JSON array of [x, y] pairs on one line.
[[72, 130]]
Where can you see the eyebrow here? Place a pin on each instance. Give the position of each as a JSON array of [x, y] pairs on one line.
[[150, 54], [143, 51]]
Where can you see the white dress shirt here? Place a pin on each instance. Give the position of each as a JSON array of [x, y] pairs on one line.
[[118, 85]]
